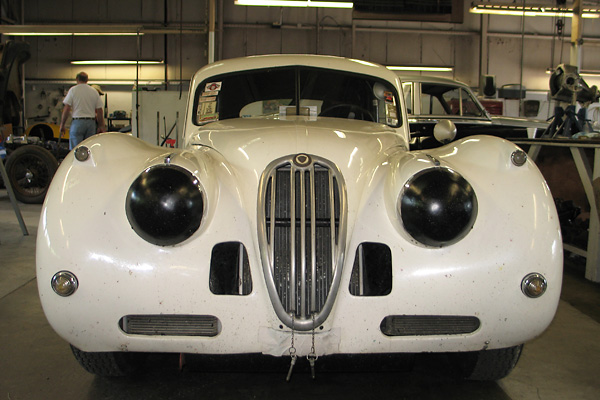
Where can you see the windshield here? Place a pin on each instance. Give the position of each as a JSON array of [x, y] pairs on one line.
[[439, 99], [294, 90]]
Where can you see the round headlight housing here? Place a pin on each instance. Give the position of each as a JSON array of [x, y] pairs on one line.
[[438, 207], [165, 205]]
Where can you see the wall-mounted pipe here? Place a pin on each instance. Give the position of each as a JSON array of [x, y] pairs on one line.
[[220, 30], [211, 30], [166, 45]]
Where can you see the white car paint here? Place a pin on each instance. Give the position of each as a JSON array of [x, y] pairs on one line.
[[84, 229]]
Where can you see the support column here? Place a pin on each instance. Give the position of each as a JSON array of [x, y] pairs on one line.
[[483, 46], [576, 34]]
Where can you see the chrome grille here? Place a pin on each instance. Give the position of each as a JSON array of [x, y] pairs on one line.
[[302, 224]]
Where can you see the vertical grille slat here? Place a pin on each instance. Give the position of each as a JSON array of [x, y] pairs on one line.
[[302, 223], [313, 253], [302, 228], [332, 219], [292, 274], [272, 212]]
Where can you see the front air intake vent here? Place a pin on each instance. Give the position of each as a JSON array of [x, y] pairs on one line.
[[171, 325], [302, 225], [428, 325]]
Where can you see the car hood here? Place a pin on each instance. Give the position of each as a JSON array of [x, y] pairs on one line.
[[252, 143]]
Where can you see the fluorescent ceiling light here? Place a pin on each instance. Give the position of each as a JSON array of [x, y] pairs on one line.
[[107, 82], [97, 30], [294, 3], [530, 11], [128, 83], [70, 33], [116, 62], [420, 68]]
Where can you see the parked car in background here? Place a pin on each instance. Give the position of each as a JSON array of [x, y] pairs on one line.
[[296, 222], [430, 99]]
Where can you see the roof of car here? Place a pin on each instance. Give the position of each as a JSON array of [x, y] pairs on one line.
[[430, 79], [280, 60]]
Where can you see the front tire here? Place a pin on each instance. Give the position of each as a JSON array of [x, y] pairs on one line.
[[487, 365], [30, 169], [109, 364]]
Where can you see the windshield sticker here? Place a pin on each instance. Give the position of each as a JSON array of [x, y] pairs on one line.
[[210, 93], [207, 99], [209, 107], [389, 97], [202, 119], [213, 86], [270, 107], [207, 112], [391, 111], [284, 110], [310, 111], [307, 111]]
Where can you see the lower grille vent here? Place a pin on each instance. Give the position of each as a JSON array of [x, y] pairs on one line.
[[230, 270], [428, 325], [170, 325], [372, 270]]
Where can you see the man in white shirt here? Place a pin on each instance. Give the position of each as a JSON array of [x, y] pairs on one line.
[[85, 103]]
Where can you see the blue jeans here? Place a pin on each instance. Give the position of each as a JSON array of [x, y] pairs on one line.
[[80, 130]]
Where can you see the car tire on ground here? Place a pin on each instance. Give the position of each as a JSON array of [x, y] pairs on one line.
[[30, 169], [486, 365], [109, 364]]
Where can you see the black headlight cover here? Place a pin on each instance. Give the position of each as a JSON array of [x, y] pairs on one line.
[[165, 205], [438, 207]]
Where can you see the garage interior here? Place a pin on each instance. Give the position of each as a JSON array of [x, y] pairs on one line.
[[159, 44]]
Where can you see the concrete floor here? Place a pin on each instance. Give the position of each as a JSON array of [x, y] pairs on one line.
[[563, 363]]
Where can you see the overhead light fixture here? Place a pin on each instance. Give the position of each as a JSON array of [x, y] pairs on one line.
[[33, 33], [582, 73], [294, 3], [107, 82], [71, 30], [530, 11], [116, 62], [420, 68]]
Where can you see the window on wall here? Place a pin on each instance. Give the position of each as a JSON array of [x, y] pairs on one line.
[[410, 10]]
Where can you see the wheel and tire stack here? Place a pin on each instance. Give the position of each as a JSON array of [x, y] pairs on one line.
[[30, 170]]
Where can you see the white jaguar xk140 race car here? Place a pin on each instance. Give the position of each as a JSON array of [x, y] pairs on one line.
[[294, 221]]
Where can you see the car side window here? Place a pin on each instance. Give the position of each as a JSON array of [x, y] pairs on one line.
[[469, 106], [452, 99], [431, 105]]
